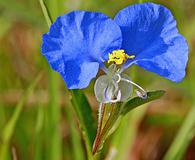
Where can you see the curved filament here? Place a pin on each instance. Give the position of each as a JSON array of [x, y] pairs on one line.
[[142, 93]]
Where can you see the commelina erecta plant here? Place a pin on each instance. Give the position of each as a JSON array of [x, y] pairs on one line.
[[80, 43]]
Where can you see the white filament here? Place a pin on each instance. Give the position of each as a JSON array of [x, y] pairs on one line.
[[141, 95]]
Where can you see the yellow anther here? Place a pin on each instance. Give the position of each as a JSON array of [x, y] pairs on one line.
[[119, 57]]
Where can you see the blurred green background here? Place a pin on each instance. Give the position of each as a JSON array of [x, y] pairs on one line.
[[43, 126]]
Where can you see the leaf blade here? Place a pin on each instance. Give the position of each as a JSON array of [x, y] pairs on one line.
[[137, 101], [84, 113]]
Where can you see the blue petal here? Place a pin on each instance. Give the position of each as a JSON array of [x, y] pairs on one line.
[[77, 40], [79, 75], [150, 33]]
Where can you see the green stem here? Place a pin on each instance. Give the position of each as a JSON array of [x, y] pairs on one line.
[[183, 137], [46, 13], [101, 136], [99, 127], [54, 108]]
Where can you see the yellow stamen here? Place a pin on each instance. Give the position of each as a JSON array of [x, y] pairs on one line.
[[119, 57]]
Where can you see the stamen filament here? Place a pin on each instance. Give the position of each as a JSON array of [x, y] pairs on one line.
[[141, 95]]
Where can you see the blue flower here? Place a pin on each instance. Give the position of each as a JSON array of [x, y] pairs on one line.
[[78, 43]]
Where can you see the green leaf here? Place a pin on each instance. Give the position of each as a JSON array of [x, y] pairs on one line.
[[137, 101], [84, 113], [119, 110], [122, 146], [107, 125]]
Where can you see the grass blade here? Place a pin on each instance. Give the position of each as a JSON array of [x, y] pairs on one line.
[[183, 138], [38, 135], [76, 144], [53, 117], [53, 8], [120, 147], [11, 124], [55, 146], [46, 13], [2, 115]]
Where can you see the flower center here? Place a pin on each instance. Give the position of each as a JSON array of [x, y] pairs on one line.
[[116, 87], [119, 57]]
